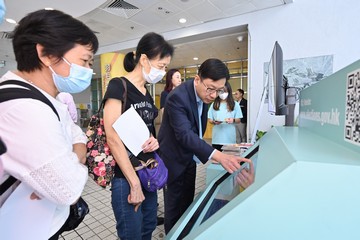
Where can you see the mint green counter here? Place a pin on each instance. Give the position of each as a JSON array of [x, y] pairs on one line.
[[307, 181]]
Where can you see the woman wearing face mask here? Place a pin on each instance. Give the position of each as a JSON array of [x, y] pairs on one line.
[[135, 208], [223, 113], [45, 149]]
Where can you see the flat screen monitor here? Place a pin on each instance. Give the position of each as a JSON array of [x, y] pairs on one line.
[[277, 84]]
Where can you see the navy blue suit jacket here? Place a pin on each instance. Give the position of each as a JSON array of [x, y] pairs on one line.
[[179, 132]]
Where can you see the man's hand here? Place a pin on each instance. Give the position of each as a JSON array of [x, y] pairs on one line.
[[230, 163], [246, 176]]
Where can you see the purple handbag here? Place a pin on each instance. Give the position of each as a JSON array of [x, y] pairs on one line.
[[153, 173]]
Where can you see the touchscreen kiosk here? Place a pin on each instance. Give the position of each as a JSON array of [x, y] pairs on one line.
[[306, 177]]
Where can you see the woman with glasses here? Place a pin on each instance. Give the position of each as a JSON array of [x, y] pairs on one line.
[[223, 113], [135, 208]]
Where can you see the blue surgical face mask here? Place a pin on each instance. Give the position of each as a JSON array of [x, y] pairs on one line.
[[154, 76], [2, 10], [78, 80]]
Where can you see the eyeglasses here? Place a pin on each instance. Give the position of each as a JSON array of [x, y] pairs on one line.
[[212, 90]]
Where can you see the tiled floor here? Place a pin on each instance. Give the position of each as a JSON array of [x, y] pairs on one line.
[[100, 222]]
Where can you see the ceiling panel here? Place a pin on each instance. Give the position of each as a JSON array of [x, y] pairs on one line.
[[142, 4], [260, 4], [206, 12], [187, 4], [191, 20], [241, 9], [164, 8], [154, 15]]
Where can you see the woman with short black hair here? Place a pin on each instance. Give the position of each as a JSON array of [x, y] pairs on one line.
[[45, 149]]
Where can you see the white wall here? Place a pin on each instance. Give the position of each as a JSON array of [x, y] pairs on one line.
[[305, 28]]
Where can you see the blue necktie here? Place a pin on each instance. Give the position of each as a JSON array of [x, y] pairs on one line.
[[200, 106]]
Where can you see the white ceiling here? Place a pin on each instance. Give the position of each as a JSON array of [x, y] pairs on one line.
[[115, 23]]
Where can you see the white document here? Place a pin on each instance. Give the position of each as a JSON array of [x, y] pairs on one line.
[[132, 130], [23, 218]]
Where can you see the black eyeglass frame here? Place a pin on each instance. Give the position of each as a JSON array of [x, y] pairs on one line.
[[212, 90]]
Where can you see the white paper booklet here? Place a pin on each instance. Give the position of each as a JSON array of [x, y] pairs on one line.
[[132, 130]]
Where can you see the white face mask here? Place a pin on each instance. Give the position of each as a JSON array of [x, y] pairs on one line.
[[224, 95], [154, 76]]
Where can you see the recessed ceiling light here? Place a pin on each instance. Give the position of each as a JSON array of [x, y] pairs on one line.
[[9, 20], [182, 20], [196, 58]]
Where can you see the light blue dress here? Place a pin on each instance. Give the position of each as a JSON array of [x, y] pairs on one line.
[[224, 133]]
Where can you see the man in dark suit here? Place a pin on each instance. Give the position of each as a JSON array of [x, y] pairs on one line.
[[180, 137]]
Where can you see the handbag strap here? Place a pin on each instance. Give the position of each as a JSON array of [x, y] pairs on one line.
[[124, 97], [146, 164]]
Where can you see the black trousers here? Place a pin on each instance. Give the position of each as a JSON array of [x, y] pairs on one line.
[[178, 195]]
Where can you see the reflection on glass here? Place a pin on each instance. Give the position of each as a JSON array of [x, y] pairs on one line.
[[220, 192], [227, 190]]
